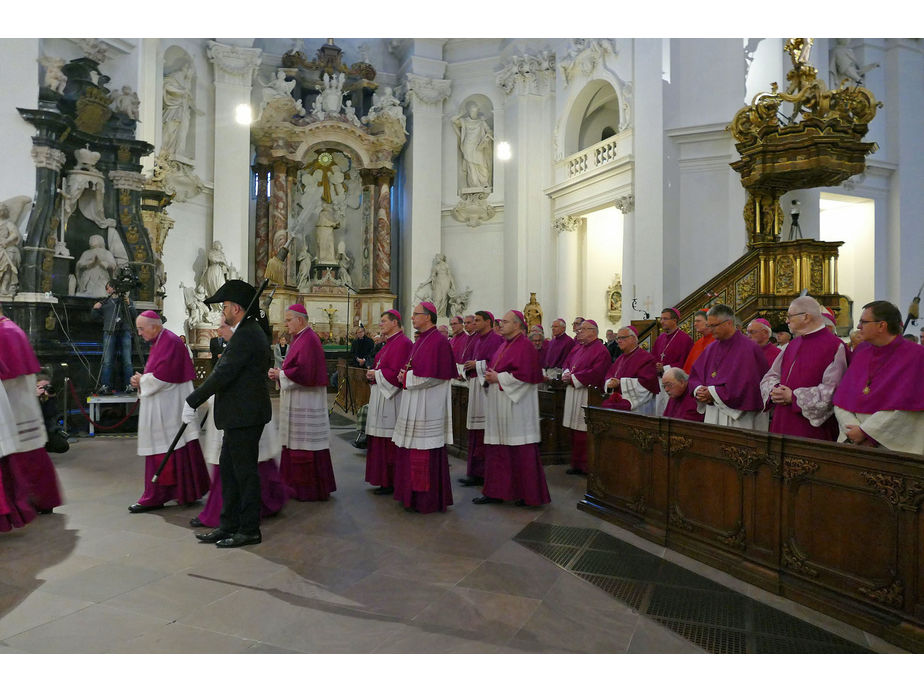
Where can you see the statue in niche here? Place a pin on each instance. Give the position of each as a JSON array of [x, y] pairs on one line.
[[440, 289], [95, 267], [845, 66], [127, 103], [217, 271], [328, 220], [55, 79], [10, 258], [476, 144], [178, 109], [330, 101], [346, 264]]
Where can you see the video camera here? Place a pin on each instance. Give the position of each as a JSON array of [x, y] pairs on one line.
[[125, 280]]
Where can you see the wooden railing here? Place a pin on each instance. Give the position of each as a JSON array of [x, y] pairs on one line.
[[762, 283], [836, 527]]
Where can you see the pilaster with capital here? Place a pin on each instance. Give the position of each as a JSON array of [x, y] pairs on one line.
[[528, 74], [43, 225], [626, 205], [423, 157], [234, 68]]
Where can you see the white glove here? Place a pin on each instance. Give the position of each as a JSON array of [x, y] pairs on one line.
[[189, 414]]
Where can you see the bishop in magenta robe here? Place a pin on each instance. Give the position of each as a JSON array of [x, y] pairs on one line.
[[585, 367]]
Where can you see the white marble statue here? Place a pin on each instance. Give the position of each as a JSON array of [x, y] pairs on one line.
[[55, 79], [388, 106], [95, 267], [350, 111], [277, 88], [328, 220], [845, 66], [476, 142], [10, 258], [330, 101], [127, 102], [346, 264], [304, 262], [217, 271], [197, 313], [438, 287], [178, 109]]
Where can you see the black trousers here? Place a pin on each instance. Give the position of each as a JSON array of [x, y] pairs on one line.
[[240, 480]]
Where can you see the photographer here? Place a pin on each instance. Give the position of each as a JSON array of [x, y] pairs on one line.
[[117, 335], [57, 436]]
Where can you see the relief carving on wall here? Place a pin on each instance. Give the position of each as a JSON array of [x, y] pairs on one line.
[[817, 274], [785, 275], [745, 288]]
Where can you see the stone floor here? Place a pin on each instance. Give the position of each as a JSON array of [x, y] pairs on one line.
[[356, 574]]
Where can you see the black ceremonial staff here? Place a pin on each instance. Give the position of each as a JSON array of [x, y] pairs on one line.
[[179, 434]]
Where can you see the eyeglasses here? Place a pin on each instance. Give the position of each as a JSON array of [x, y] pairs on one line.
[[419, 313], [863, 322], [790, 316], [619, 339], [716, 324]]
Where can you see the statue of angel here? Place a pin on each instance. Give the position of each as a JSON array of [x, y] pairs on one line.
[[12, 212]]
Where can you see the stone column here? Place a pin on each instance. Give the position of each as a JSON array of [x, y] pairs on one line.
[[381, 250], [261, 222], [291, 259], [567, 229], [368, 244], [234, 70], [422, 216]]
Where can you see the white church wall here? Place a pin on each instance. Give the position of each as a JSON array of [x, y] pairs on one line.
[[184, 249], [476, 257], [604, 247], [19, 71]]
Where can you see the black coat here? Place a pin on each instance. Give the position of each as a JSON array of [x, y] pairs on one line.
[[217, 348], [362, 348], [239, 380]]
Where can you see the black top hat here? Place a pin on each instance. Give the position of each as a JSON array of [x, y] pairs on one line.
[[234, 290]]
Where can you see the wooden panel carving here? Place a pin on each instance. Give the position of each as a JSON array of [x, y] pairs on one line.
[[898, 491], [745, 460]]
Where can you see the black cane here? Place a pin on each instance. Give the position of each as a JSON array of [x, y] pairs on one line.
[[176, 438], [170, 450]]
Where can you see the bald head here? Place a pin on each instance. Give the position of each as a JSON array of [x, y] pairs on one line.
[[675, 381], [804, 315]]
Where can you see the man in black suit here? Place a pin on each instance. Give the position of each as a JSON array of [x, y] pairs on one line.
[[242, 408], [217, 347]]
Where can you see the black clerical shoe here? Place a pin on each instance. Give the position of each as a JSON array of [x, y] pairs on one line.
[[239, 539], [383, 490], [360, 441], [471, 481], [576, 471], [196, 522], [138, 508], [522, 504], [214, 536], [482, 500]]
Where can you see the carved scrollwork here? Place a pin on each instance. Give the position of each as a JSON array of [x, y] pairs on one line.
[[639, 504], [643, 440], [736, 537], [676, 518], [795, 561], [816, 274], [745, 460], [595, 426], [890, 595], [900, 493], [679, 443], [745, 288], [797, 467]]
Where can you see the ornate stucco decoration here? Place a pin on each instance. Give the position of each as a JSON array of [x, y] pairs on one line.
[[473, 209], [234, 65], [625, 204], [46, 157], [528, 74], [94, 49], [583, 57], [427, 93], [176, 178], [566, 223]]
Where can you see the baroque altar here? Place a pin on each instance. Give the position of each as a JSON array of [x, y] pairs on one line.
[[326, 141]]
